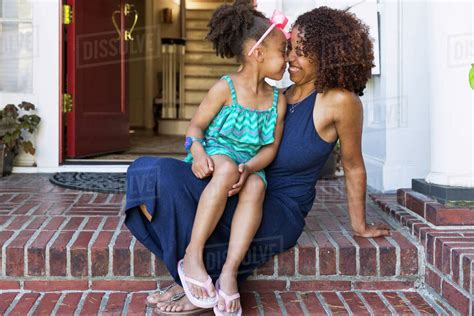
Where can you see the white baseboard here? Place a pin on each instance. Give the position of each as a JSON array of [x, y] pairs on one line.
[[72, 168]]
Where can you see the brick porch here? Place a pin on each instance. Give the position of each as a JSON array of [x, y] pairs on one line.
[[447, 240], [66, 251]]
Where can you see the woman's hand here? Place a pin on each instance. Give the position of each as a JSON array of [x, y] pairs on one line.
[[203, 166], [244, 174], [373, 230]]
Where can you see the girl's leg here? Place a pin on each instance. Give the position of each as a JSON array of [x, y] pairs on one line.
[[210, 208], [245, 223]]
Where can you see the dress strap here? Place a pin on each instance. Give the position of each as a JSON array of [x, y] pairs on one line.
[[231, 86], [275, 97]]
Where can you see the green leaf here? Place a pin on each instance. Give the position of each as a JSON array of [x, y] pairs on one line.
[[27, 106], [471, 76], [12, 125], [11, 111], [28, 147]]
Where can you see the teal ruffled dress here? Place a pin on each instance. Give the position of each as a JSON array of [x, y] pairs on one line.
[[239, 132]]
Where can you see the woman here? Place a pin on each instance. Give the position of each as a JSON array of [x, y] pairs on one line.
[[330, 57]]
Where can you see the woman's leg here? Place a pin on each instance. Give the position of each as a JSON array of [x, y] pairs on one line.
[[210, 208], [169, 186], [245, 223], [145, 212]]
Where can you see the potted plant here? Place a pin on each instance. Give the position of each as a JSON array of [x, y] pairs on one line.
[[12, 127]]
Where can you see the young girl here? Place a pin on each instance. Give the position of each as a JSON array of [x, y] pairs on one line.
[[233, 136]]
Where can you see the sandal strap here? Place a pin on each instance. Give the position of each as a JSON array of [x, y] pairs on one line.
[[166, 289], [206, 285], [176, 297], [229, 298]]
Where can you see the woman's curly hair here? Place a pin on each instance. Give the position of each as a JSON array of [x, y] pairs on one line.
[[231, 25], [339, 44]]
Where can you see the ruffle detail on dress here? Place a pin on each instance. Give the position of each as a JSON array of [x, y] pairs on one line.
[[244, 125]]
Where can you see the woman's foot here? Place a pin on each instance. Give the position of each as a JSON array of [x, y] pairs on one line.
[[228, 284], [194, 268], [181, 305], [164, 295]]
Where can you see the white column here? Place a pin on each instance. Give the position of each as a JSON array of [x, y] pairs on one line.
[[451, 98]]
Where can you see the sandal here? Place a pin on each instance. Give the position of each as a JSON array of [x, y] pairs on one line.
[[161, 292], [227, 299], [199, 302], [177, 297]]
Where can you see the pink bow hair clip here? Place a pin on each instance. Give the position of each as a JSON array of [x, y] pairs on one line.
[[278, 20]]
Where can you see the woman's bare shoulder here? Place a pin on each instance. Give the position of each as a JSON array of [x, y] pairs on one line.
[[340, 97], [340, 102]]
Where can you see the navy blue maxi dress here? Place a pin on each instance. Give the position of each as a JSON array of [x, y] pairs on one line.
[[171, 193]]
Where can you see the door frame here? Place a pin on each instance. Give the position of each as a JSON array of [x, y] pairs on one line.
[[63, 79]]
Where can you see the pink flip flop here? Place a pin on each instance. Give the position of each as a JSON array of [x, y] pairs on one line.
[[227, 299], [199, 302]]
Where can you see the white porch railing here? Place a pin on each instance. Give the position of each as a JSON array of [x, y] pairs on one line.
[[173, 50]]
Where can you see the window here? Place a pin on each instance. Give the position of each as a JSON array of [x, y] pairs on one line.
[[16, 46]]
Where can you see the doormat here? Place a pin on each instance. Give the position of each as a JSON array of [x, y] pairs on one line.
[[91, 181]]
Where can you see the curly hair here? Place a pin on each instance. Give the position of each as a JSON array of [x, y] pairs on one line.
[[339, 44], [232, 25]]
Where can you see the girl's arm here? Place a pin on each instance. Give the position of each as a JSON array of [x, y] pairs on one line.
[[267, 153], [207, 110]]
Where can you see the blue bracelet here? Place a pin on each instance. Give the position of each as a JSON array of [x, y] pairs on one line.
[[189, 141]]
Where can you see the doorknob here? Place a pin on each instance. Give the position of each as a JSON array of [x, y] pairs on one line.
[[129, 8]]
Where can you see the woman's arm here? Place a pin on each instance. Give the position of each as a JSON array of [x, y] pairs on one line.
[[267, 153], [348, 118]]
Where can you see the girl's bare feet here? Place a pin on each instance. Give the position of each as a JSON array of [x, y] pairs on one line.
[[194, 268], [228, 284], [164, 295]]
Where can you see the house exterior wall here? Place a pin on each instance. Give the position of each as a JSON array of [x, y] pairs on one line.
[[399, 125], [396, 145], [46, 85]]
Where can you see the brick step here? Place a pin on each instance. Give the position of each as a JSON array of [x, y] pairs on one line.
[[449, 248], [253, 303], [48, 232], [85, 248], [117, 283], [101, 247]]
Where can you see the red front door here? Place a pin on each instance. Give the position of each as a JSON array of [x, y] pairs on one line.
[[97, 77]]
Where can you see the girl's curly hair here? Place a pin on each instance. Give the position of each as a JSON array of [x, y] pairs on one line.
[[231, 25], [339, 44]]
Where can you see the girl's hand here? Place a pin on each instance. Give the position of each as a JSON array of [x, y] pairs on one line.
[[373, 230], [203, 166], [244, 174]]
